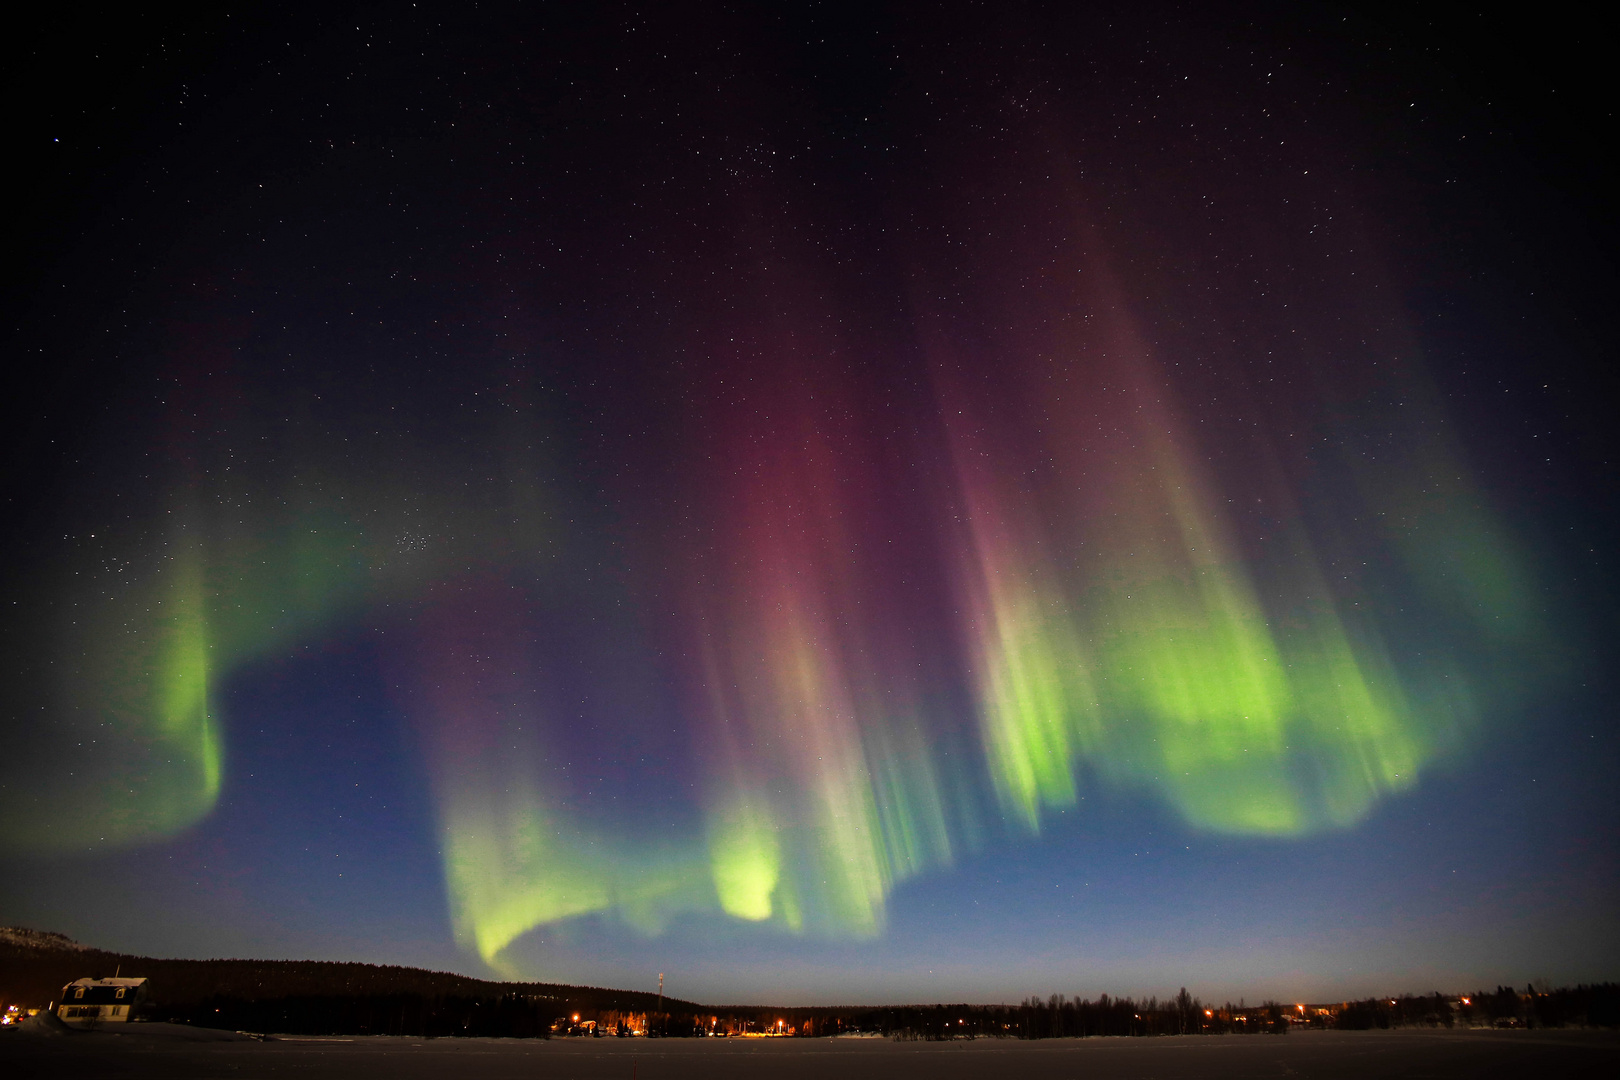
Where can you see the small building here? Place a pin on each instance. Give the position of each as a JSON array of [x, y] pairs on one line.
[[89, 1001]]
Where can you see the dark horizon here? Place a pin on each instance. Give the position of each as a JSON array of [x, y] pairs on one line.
[[928, 500], [291, 997]]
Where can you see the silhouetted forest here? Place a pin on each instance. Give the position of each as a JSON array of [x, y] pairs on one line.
[[322, 998], [316, 997], [1590, 1006]]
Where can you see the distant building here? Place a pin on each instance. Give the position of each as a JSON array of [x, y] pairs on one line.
[[88, 1001]]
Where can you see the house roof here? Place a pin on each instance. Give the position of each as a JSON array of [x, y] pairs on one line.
[[107, 982]]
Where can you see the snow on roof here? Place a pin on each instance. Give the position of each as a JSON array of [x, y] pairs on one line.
[[107, 982]]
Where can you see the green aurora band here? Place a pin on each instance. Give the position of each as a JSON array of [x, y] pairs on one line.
[[1112, 631]]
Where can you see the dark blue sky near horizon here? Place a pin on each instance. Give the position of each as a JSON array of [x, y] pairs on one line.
[[828, 505]]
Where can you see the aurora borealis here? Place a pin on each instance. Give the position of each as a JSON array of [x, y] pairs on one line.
[[713, 485]]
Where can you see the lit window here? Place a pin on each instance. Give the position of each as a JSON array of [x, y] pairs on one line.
[[120, 992]]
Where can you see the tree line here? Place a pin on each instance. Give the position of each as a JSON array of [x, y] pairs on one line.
[[323, 998], [1594, 1005]]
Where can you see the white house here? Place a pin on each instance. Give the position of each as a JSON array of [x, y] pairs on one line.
[[88, 1001]]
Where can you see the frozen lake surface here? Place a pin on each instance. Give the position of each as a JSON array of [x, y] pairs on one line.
[[164, 1050]]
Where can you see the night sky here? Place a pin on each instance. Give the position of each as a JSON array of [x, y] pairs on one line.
[[831, 504]]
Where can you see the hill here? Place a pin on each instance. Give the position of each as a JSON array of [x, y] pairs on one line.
[[311, 996]]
